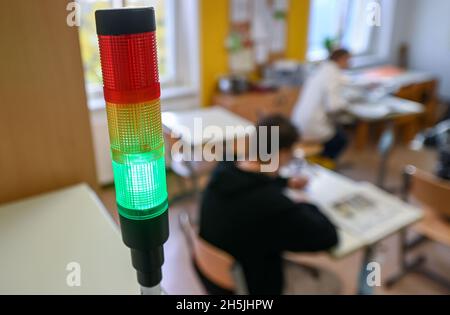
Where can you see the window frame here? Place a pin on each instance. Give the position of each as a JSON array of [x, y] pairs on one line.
[[379, 44], [181, 80]]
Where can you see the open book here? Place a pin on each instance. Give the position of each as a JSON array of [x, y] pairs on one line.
[[368, 212]]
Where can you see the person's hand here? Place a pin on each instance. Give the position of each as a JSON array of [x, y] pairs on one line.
[[298, 183]]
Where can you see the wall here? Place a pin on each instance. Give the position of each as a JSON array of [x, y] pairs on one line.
[[45, 134], [402, 25], [425, 26], [298, 21], [214, 23], [214, 27]]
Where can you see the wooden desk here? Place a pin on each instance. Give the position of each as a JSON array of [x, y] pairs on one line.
[[39, 236], [254, 105], [393, 110], [410, 85]]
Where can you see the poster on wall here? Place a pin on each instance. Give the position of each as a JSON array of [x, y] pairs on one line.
[[258, 32], [278, 34], [240, 11]]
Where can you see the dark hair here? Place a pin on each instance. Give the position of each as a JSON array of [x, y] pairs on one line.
[[288, 133], [337, 54]]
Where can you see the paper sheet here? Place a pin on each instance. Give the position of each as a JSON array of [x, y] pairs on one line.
[[240, 11]]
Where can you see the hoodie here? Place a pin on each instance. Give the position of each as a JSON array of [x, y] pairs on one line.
[[247, 215]]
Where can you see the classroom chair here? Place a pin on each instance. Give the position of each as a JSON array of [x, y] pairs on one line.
[[433, 194], [311, 152], [423, 93], [309, 149], [218, 271], [221, 274]]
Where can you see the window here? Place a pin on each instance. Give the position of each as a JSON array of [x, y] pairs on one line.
[[165, 19], [344, 21]]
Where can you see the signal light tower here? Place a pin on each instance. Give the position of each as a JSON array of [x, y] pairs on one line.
[[128, 54]]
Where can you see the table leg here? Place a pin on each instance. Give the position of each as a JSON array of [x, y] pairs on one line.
[[405, 266], [362, 135], [410, 130], [363, 287]]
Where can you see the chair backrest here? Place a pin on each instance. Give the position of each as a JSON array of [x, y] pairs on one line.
[[429, 190], [424, 93], [214, 263]]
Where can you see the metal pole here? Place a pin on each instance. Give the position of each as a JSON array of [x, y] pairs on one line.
[[156, 290], [363, 286]]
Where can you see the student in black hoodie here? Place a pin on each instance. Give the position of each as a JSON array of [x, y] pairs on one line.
[[245, 213]]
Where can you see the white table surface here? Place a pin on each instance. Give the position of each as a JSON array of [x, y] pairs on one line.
[[326, 187], [39, 236], [364, 78], [385, 107], [182, 123]]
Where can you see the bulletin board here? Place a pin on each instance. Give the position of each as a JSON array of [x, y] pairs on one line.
[[258, 33]]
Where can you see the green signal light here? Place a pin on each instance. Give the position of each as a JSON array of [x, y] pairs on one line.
[[140, 185]]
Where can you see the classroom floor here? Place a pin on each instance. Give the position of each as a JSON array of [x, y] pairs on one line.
[[180, 278]]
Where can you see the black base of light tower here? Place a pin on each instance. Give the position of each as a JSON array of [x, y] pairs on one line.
[[146, 238]]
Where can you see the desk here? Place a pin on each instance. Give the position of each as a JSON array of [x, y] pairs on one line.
[[411, 85], [391, 77], [386, 110], [327, 187], [191, 128], [39, 236], [389, 110], [183, 123], [254, 105]]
